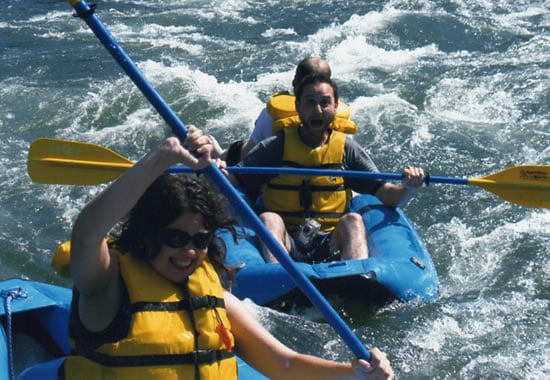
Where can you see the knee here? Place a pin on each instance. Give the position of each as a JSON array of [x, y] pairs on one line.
[[269, 217], [272, 220], [352, 223], [352, 219]]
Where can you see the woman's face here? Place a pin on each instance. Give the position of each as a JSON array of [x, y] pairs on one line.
[[177, 264]]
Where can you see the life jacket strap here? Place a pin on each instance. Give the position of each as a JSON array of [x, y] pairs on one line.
[[196, 358], [196, 303]]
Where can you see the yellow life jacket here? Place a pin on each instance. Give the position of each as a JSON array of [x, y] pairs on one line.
[[282, 109], [295, 197], [174, 331]]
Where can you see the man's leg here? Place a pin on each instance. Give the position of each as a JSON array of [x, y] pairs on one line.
[[276, 226], [350, 238]]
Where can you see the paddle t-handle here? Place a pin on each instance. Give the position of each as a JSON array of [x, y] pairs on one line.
[[247, 214]]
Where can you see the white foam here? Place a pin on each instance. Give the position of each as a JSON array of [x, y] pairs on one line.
[[369, 112], [278, 32], [238, 101], [473, 101]]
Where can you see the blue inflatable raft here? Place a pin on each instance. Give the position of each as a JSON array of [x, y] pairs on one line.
[[398, 268], [33, 331]]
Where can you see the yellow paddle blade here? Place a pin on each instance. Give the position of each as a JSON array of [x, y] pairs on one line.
[[527, 185], [74, 163]]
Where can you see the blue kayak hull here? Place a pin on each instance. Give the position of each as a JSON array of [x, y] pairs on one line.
[[399, 266], [33, 331]]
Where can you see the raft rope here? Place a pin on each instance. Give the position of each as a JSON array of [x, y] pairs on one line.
[[9, 295]]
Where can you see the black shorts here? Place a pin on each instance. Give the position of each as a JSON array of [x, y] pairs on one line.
[[318, 252]]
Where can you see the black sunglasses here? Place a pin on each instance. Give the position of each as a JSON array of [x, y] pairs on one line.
[[174, 238]]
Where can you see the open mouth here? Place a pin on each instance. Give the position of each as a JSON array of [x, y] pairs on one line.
[[316, 123]]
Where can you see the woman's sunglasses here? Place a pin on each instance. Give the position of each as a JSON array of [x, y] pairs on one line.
[[174, 238]]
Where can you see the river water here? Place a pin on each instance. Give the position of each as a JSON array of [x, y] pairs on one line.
[[461, 88]]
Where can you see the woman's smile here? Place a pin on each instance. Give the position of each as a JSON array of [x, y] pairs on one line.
[[181, 264]]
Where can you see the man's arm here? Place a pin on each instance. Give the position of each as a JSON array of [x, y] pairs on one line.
[[357, 158]]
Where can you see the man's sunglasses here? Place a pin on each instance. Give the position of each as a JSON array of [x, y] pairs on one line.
[[174, 238]]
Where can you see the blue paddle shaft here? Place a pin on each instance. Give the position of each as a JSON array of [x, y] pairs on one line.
[[324, 172], [246, 213]]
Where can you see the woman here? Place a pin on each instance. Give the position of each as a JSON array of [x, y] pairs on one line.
[[149, 303]]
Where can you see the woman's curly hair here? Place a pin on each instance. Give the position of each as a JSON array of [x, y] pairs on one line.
[[168, 197]]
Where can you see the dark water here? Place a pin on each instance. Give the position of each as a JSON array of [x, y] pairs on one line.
[[461, 88]]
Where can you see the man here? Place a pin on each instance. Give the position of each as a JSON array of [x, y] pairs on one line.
[[291, 201], [279, 106]]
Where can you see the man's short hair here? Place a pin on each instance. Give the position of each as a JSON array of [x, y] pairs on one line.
[[314, 79]]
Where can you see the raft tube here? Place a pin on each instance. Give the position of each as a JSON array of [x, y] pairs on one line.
[[399, 266]]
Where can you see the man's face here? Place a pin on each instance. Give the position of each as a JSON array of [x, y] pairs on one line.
[[316, 108]]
